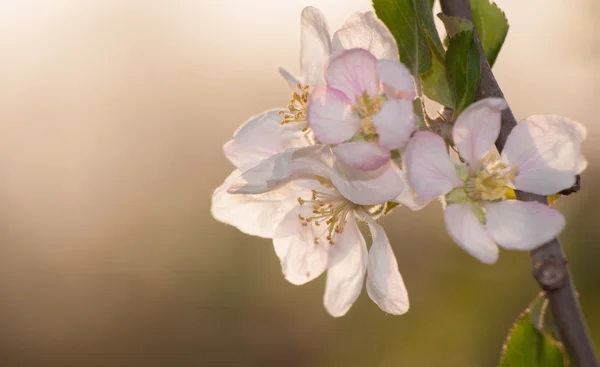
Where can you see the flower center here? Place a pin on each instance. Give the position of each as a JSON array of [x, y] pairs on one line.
[[366, 106], [492, 179], [329, 211], [296, 109]]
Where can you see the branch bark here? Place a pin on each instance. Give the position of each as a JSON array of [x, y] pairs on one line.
[[550, 267]]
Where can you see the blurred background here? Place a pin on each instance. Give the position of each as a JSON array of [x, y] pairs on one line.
[[112, 118]]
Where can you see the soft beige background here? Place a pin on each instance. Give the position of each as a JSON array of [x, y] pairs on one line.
[[112, 118]]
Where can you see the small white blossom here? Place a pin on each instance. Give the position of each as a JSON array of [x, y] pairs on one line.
[[319, 232], [542, 155]]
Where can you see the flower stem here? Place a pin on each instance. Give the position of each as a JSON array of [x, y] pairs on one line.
[[550, 267]]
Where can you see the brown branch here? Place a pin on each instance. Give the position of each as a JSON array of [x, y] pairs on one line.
[[549, 264]]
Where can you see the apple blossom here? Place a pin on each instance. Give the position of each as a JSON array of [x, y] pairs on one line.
[[319, 232], [542, 155], [360, 30]]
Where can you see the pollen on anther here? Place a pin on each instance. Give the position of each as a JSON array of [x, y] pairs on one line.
[[300, 201], [316, 241], [301, 217]]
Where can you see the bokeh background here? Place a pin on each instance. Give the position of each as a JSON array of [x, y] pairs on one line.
[[112, 118]]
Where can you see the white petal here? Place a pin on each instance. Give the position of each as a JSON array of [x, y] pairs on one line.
[[395, 123], [397, 79], [330, 116], [408, 197], [259, 138], [547, 151], [477, 128], [384, 282], [281, 168], [301, 259], [468, 233], [289, 78], [346, 269], [430, 170], [521, 225], [353, 72], [368, 187], [362, 155], [257, 215], [364, 30], [316, 46]]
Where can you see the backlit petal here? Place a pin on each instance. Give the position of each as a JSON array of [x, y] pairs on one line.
[[301, 259], [365, 30], [330, 116], [522, 225], [395, 123], [257, 215], [368, 187], [384, 282], [346, 269], [290, 79], [353, 72], [477, 128], [259, 138], [281, 168], [547, 149], [468, 233], [397, 79], [430, 170], [362, 155], [408, 197], [316, 46]]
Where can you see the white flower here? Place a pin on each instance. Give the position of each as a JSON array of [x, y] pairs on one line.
[[361, 30], [542, 155], [318, 232]]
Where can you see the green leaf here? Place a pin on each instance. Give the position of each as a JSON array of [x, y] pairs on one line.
[[455, 25], [419, 112], [526, 346], [425, 14], [435, 83], [543, 319], [492, 27], [462, 62], [400, 17]]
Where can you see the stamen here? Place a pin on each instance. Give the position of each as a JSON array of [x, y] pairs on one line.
[[328, 209], [492, 179], [296, 109]]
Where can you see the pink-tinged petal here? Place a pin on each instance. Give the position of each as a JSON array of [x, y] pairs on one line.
[[365, 30], [289, 78], [430, 170], [259, 138], [397, 80], [346, 269], [277, 170], [353, 72], [395, 123], [368, 187], [301, 259], [547, 150], [522, 225], [477, 128], [468, 233], [384, 282], [330, 116], [316, 46], [257, 215], [408, 197], [362, 155]]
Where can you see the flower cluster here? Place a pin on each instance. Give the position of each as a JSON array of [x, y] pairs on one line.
[[347, 147]]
